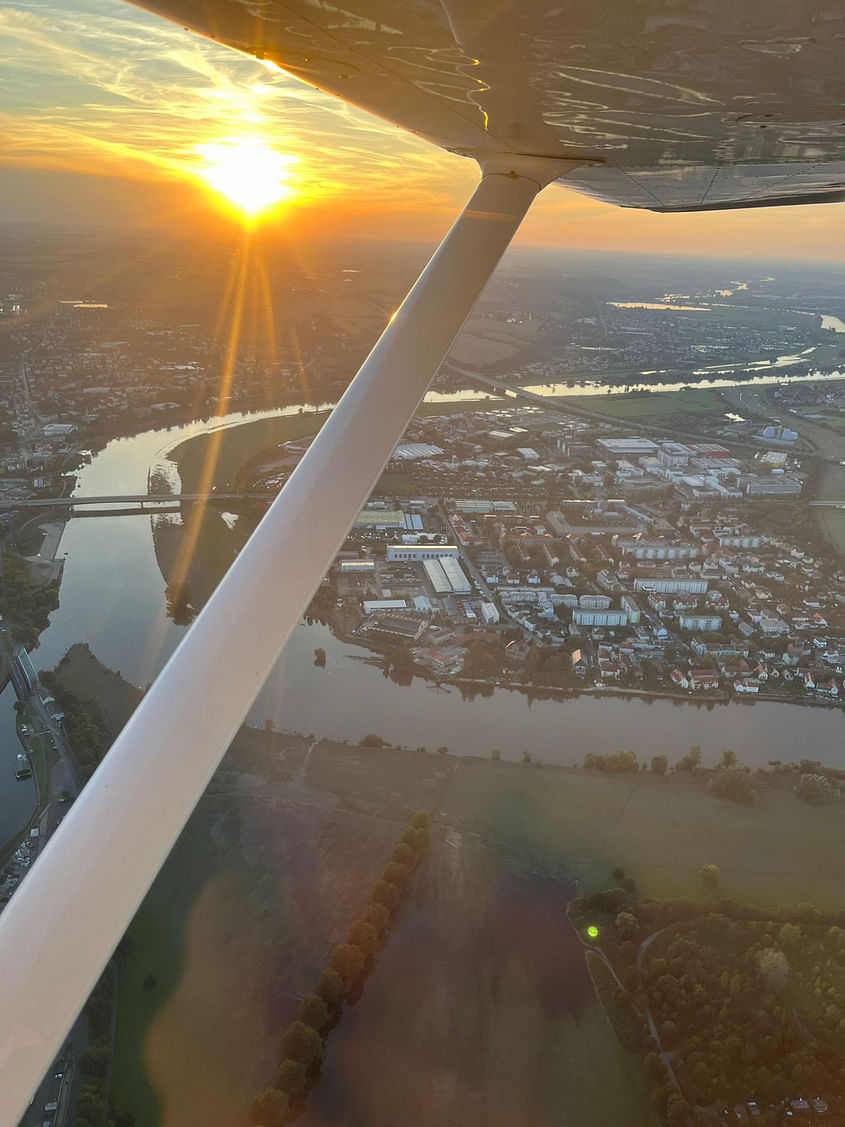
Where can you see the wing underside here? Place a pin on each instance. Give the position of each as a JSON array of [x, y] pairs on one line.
[[673, 106]]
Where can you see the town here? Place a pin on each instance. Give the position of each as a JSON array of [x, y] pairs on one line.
[[526, 546]]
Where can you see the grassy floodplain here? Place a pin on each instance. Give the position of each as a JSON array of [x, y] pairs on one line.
[[652, 404], [661, 830], [211, 461]]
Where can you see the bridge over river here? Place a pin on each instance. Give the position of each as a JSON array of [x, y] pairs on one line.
[[145, 501]]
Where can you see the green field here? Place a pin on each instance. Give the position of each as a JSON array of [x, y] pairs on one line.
[[394, 483], [155, 946], [653, 403], [560, 1063], [211, 461], [261, 885], [660, 830]]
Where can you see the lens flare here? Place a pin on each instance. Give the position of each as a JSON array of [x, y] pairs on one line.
[[251, 174]]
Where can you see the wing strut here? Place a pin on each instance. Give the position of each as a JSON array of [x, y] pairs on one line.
[[63, 923]]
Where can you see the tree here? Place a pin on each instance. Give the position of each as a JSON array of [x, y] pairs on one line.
[[618, 873], [330, 987], [349, 960], [659, 763], [314, 1012], [774, 969], [95, 1060], [678, 1112], [626, 925], [495, 755], [378, 916], [386, 894], [396, 874], [301, 1042], [421, 820], [815, 789], [728, 758], [443, 750], [268, 1109], [691, 760], [711, 875], [402, 854], [790, 936], [371, 740], [733, 783], [291, 1077], [363, 935]]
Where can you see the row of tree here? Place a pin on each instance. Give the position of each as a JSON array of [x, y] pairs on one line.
[[350, 965], [95, 1062], [816, 784]]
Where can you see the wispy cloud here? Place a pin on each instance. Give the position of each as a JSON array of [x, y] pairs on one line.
[[103, 88]]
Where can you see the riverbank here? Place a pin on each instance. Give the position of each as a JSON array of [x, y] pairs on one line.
[[536, 690]]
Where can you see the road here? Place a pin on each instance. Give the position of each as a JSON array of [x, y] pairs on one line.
[[61, 1084], [63, 1080]]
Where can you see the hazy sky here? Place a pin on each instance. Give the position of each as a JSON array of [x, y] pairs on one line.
[[102, 105]]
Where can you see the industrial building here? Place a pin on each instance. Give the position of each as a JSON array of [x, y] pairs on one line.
[[456, 576], [357, 566], [437, 577], [371, 605], [489, 613], [416, 553], [625, 447]]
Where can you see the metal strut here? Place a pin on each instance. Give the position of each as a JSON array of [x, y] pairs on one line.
[[65, 920]]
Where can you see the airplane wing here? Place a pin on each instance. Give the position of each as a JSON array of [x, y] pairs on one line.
[[670, 106]]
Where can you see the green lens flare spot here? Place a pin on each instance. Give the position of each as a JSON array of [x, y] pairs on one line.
[[593, 931]]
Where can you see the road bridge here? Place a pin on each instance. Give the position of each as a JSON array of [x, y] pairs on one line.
[[155, 500]]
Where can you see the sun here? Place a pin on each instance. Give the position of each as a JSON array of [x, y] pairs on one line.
[[252, 175]]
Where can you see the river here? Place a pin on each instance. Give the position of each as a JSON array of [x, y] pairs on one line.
[[112, 596]]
